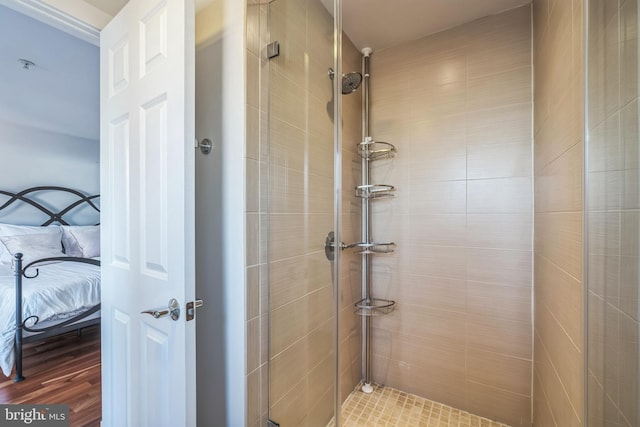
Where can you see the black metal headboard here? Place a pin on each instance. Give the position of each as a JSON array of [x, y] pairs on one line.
[[55, 214]]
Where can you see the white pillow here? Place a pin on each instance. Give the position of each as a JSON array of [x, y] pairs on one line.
[[81, 240], [33, 247], [20, 230]]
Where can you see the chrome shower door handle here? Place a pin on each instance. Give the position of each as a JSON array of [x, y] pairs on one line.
[[172, 310], [330, 246]]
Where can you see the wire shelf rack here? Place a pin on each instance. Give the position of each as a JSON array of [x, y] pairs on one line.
[[372, 247], [376, 150], [374, 307], [375, 191]]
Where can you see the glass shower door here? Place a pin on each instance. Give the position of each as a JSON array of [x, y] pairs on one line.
[[302, 319], [613, 215]]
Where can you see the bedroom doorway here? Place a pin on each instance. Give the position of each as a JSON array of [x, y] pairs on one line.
[[49, 122], [150, 250]]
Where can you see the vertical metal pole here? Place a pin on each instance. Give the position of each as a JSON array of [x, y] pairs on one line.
[[18, 342], [337, 174], [365, 75], [366, 236]]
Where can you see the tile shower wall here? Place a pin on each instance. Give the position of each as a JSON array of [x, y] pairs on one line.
[[558, 159], [458, 107], [613, 215], [294, 168]]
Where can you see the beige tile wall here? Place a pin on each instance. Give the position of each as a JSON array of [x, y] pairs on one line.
[[458, 107], [289, 212], [613, 220], [558, 168]]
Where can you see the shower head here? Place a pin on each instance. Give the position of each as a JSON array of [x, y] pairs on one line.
[[351, 82]]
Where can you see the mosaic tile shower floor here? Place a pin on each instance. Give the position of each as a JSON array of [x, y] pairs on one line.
[[389, 407]]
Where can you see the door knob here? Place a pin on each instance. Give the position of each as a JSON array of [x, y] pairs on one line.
[[172, 310]]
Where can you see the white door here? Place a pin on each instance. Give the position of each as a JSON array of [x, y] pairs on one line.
[[147, 183]]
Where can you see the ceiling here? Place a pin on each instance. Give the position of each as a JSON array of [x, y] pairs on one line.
[[61, 92], [111, 7], [379, 24]]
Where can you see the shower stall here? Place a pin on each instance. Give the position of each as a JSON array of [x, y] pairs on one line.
[[423, 271]]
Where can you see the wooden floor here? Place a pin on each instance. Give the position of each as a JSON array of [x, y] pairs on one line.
[[61, 370]]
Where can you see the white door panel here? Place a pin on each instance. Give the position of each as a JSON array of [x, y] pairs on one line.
[[147, 185]]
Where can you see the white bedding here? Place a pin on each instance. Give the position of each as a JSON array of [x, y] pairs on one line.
[[60, 288]]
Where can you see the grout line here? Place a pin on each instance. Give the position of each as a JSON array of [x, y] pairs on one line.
[[387, 406]]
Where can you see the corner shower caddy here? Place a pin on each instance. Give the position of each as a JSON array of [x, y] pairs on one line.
[[370, 150]]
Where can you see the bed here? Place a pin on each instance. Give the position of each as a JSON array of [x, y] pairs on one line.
[[49, 269]]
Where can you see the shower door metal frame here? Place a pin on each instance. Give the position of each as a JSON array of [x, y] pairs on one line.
[[337, 201]]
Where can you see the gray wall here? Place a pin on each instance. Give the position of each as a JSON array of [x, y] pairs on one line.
[[31, 156], [210, 353], [48, 114]]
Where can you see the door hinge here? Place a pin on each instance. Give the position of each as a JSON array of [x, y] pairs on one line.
[[273, 49], [191, 308]]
